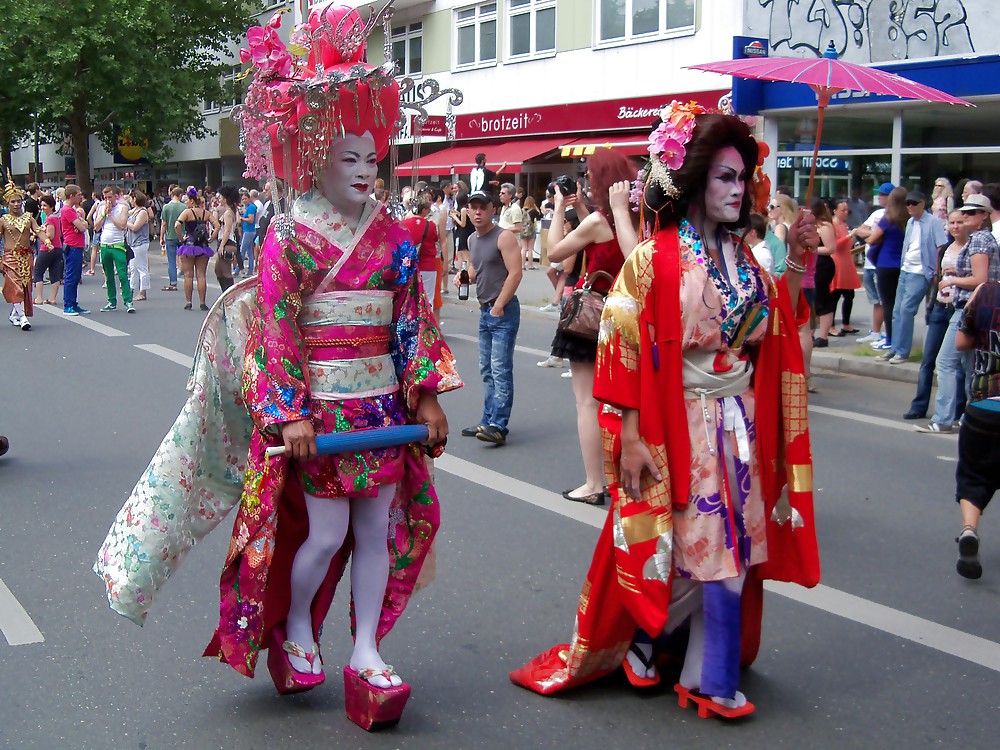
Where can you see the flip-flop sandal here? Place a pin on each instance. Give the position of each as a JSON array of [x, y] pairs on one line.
[[169, 288]]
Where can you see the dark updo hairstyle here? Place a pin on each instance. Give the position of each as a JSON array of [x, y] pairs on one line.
[[821, 210], [712, 133], [230, 194]]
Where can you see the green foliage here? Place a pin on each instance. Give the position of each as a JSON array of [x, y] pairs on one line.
[[145, 66]]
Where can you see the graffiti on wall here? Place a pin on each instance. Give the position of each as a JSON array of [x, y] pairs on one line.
[[872, 30]]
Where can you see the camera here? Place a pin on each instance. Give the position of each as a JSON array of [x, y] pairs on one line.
[[565, 184]]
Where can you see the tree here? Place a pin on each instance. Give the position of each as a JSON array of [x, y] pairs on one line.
[[142, 67]]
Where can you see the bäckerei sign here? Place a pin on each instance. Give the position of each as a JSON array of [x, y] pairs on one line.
[[619, 114]]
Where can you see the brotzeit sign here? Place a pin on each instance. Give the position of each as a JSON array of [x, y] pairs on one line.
[[621, 114]]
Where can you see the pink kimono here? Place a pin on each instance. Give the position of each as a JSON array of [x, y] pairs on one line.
[[342, 336]]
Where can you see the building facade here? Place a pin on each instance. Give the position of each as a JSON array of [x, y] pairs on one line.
[[546, 82]]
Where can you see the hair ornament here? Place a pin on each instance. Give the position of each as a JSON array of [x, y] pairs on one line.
[[667, 145]]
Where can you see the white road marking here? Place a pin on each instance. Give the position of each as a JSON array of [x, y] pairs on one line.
[[877, 421], [169, 354], [947, 458], [15, 622], [475, 340], [83, 320], [947, 640]]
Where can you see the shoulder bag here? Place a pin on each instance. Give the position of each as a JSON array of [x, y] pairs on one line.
[[581, 311]]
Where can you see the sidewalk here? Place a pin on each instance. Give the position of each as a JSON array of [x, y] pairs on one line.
[[842, 356]]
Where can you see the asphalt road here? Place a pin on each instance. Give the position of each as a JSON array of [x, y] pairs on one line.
[[893, 650]]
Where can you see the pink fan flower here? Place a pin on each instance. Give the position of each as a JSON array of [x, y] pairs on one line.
[[267, 51]]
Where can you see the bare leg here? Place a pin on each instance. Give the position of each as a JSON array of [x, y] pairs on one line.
[[588, 428], [201, 265], [329, 519], [970, 514], [38, 292], [55, 292], [552, 274], [806, 339], [878, 318], [825, 323], [187, 266], [369, 575]]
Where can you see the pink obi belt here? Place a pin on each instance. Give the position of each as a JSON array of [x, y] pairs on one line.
[[347, 335]]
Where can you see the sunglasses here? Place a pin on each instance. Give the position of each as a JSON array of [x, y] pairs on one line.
[[913, 203], [772, 206]]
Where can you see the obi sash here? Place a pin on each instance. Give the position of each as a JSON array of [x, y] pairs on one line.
[[347, 334]]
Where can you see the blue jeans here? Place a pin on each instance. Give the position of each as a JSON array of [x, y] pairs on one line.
[[937, 326], [246, 250], [496, 363], [952, 369], [172, 260], [909, 294], [71, 279]]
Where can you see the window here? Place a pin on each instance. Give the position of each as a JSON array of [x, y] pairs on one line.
[[233, 89], [476, 35], [532, 27], [408, 49], [627, 20]]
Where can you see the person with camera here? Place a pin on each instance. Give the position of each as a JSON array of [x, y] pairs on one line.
[[596, 241], [196, 226]]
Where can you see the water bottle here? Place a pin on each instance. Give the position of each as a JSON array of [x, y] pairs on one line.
[[463, 281]]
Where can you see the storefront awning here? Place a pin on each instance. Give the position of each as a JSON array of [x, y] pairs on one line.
[[463, 158], [629, 145]]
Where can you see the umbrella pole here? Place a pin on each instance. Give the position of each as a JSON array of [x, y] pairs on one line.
[[823, 98]]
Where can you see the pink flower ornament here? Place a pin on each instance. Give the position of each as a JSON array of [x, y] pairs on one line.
[[673, 154], [266, 50]]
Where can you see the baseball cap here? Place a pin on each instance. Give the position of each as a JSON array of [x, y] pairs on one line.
[[481, 195], [885, 188], [915, 196], [976, 203]]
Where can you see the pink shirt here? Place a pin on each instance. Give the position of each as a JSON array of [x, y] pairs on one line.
[[72, 236]]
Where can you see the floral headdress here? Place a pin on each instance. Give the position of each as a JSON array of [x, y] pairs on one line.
[[667, 149], [305, 95]]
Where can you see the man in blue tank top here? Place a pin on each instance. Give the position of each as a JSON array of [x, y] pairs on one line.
[[496, 271]]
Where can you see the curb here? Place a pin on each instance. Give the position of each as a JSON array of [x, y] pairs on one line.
[[849, 364]]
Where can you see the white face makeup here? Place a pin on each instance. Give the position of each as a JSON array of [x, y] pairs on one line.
[[350, 173], [726, 186]]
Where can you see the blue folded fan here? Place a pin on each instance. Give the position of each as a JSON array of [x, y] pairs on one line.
[[365, 440]]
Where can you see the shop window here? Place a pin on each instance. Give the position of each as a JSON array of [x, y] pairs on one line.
[[639, 20], [843, 128], [950, 127], [476, 35], [408, 49], [531, 28]]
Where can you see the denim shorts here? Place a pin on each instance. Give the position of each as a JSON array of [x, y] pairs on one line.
[[870, 289]]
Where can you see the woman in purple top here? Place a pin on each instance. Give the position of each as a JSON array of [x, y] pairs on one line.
[[196, 226], [886, 251]]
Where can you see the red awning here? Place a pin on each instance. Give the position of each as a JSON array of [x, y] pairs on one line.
[[629, 145], [463, 158]]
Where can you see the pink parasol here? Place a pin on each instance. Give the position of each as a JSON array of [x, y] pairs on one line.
[[828, 76]]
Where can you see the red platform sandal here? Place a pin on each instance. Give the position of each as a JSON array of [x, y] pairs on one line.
[[287, 679], [708, 707], [635, 680], [371, 707]]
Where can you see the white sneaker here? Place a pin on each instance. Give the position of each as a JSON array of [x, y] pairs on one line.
[[14, 319], [551, 362], [25, 323], [879, 344], [567, 374], [551, 307], [871, 338]]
